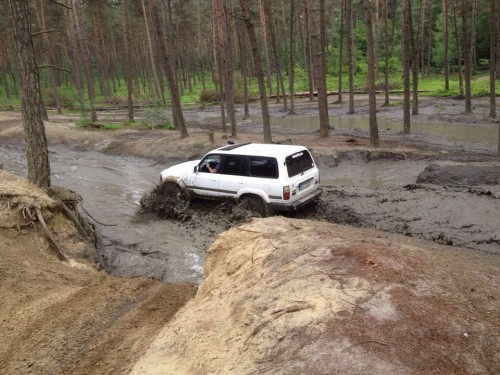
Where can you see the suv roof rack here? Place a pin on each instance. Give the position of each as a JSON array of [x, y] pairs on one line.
[[232, 147]]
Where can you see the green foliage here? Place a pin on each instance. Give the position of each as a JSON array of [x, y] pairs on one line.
[[156, 117]]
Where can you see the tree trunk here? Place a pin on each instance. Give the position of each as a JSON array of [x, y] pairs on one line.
[[467, 57], [85, 55], [446, 44], [341, 49], [218, 63], [459, 54], [473, 35], [50, 60], [319, 76], [415, 44], [127, 61], [263, 28], [429, 39], [393, 37], [406, 66], [493, 20], [226, 63], [498, 47], [200, 49], [165, 53], [386, 36], [37, 154], [291, 60], [376, 19], [245, 9], [152, 60], [372, 99], [307, 57], [350, 59], [277, 58]]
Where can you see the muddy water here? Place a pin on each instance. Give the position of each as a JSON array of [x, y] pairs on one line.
[[382, 194], [132, 244], [457, 134]]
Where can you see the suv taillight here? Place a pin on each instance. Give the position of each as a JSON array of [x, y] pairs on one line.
[[286, 192]]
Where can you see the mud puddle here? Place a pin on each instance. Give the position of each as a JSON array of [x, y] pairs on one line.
[[131, 243], [168, 241]]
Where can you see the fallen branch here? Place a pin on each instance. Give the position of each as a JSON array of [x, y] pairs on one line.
[[59, 253]]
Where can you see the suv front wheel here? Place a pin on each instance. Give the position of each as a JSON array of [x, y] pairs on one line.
[[173, 191], [256, 204]]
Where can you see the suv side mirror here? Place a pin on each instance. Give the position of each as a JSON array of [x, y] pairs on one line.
[[195, 169]]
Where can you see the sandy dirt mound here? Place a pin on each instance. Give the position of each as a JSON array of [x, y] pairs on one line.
[[66, 317], [285, 296]]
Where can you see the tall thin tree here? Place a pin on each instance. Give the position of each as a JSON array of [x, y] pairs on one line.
[[372, 98], [405, 53], [493, 31], [350, 53], [245, 9], [446, 62], [291, 59], [319, 76], [37, 154], [467, 56]]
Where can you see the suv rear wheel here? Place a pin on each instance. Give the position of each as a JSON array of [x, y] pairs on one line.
[[256, 204]]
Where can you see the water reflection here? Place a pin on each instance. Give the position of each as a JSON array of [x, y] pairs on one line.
[[467, 134]]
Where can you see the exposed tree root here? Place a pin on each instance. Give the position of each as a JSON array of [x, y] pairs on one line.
[[59, 253]]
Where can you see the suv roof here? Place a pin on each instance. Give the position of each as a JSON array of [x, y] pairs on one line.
[[260, 149]]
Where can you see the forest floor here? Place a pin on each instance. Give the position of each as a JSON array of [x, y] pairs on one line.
[[70, 318]]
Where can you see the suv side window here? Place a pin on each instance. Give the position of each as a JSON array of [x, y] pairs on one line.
[[261, 166], [234, 165]]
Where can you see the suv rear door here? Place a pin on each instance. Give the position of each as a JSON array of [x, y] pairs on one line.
[[302, 174]]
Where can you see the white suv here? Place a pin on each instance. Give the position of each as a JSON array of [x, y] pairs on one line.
[[264, 177]]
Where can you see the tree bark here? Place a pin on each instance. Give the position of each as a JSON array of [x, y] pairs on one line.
[[350, 59], [319, 76], [406, 66], [341, 49], [429, 39], [263, 26], [445, 45], [166, 52], [493, 31], [473, 35], [37, 154], [85, 56], [459, 54], [277, 58], [245, 9], [372, 99], [467, 58], [291, 60], [226, 63], [386, 37], [152, 60], [127, 61]]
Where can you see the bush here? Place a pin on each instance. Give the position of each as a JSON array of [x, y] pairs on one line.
[[156, 117]]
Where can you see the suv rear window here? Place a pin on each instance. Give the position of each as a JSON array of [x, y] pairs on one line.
[[260, 166], [298, 163]]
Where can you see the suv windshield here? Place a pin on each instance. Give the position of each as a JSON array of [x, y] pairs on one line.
[[298, 163]]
